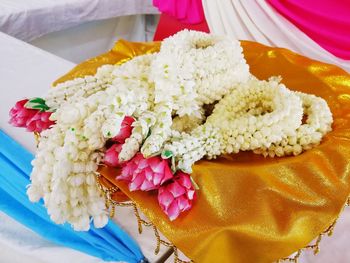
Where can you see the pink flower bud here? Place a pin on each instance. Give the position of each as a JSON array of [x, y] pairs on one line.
[[32, 119], [146, 174], [39, 122], [111, 157], [177, 197], [125, 130]]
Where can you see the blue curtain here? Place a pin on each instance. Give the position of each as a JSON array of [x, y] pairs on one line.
[[110, 243]]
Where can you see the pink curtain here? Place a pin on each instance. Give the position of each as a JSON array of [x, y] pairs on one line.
[[327, 22], [186, 11]]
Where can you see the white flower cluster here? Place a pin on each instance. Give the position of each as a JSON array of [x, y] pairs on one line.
[[192, 69], [77, 88], [256, 115], [141, 129], [263, 116], [187, 148], [168, 94], [64, 175], [195, 68], [318, 120], [160, 131], [64, 170]]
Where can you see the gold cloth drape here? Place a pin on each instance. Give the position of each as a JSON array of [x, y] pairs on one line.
[[251, 208]]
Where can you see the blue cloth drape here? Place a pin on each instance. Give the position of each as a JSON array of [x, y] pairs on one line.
[[110, 243]]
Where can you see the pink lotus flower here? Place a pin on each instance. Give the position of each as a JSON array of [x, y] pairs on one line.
[[19, 115], [111, 157], [146, 174], [39, 122], [32, 119], [125, 130], [177, 197]]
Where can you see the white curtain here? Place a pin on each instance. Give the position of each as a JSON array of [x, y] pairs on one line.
[[256, 20]]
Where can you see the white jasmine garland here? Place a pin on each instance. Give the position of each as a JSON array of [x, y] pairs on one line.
[[195, 65], [139, 133], [79, 87], [204, 141], [72, 147], [167, 94], [55, 179], [160, 131], [318, 122], [192, 69], [255, 115]]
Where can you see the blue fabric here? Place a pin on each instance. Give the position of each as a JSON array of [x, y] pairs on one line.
[[110, 243]]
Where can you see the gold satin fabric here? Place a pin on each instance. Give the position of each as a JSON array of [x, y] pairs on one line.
[[250, 208]]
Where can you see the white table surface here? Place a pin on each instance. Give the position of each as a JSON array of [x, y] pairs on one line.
[[30, 19], [26, 71], [333, 249]]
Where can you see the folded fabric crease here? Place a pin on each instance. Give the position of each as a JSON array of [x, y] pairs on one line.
[[110, 243]]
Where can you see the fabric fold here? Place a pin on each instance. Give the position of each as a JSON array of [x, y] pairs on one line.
[[327, 22], [186, 11], [262, 22], [110, 243]]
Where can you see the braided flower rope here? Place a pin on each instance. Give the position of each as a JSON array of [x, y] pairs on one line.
[[254, 115], [191, 69], [318, 120]]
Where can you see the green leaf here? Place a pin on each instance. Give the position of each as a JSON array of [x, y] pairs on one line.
[[38, 101], [167, 154], [40, 107], [37, 104]]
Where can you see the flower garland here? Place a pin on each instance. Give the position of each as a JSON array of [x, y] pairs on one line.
[[252, 116], [83, 126], [34, 115], [318, 122], [192, 69], [139, 133], [73, 90], [256, 115], [186, 148], [261, 116], [154, 117]]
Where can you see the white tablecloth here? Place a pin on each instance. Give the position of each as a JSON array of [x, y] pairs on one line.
[[19, 244], [30, 19], [92, 38], [26, 71]]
